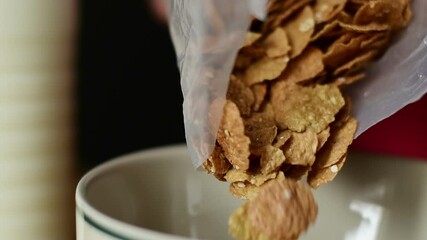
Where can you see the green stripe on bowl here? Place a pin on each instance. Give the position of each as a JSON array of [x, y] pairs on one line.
[[102, 229]]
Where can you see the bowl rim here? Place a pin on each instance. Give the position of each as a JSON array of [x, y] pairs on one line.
[[109, 225]]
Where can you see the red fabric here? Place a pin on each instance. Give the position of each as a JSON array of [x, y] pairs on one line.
[[403, 134]]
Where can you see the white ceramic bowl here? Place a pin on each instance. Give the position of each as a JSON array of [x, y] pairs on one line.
[[157, 194]]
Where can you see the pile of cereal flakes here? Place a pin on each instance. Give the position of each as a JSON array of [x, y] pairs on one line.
[[285, 118]]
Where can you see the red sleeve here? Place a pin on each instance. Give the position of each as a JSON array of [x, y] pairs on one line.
[[403, 134]]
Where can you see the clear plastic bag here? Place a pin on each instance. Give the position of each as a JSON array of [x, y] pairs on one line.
[[207, 34], [398, 78]]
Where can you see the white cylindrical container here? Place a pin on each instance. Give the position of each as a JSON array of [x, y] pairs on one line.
[[36, 119]]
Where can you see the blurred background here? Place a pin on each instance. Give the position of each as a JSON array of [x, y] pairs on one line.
[[128, 91], [82, 82]]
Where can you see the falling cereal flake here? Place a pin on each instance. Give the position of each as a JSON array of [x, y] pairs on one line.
[[259, 91], [302, 148], [325, 10], [241, 95], [337, 144], [261, 130], [217, 163], [319, 176], [264, 69], [243, 190], [299, 31], [251, 37], [299, 108], [307, 25], [271, 159], [235, 143], [276, 44], [305, 67]]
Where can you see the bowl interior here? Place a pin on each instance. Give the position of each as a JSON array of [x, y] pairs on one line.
[[163, 192], [372, 198]]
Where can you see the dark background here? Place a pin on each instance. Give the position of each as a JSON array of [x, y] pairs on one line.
[[128, 91]]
